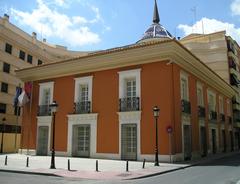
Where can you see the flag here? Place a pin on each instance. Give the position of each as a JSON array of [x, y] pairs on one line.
[[28, 89], [23, 99], [18, 93]]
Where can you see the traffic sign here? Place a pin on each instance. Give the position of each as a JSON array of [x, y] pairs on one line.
[[169, 129]]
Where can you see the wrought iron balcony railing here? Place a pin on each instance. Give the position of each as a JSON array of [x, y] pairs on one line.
[[44, 110], [213, 115], [201, 112], [222, 117], [82, 107], [186, 106], [129, 104]]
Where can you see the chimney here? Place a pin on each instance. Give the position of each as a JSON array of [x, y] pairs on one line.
[[34, 35], [6, 16]]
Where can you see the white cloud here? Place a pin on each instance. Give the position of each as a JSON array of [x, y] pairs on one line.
[[51, 23], [235, 7], [207, 25]]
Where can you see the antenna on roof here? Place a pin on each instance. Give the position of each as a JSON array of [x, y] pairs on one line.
[[203, 27], [194, 10]]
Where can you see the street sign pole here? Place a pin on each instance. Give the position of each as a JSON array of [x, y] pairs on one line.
[[169, 131], [170, 147]]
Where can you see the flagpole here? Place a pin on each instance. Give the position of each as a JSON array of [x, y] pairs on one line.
[[30, 122], [15, 145]]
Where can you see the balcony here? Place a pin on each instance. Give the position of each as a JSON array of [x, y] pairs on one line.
[[213, 116], [222, 117], [234, 80], [129, 104], [232, 64], [236, 115], [82, 107], [186, 106], [229, 119], [44, 110], [201, 112]]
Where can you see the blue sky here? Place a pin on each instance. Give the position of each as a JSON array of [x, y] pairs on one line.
[[102, 24]]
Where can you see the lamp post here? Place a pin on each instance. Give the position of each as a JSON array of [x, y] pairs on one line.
[[156, 111], [3, 130], [53, 108]]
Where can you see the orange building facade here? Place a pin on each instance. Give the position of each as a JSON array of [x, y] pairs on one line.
[[106, 102]]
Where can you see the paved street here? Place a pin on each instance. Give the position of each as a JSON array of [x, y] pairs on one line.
[[222, 171]]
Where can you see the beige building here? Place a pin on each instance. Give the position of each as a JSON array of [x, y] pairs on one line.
[[20, 50], [222, 54]]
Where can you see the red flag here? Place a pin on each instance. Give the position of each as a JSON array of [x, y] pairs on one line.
[[28, 89]]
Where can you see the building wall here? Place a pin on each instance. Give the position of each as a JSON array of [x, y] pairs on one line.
[[160, 85]]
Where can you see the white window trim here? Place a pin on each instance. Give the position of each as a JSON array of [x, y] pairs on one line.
[[45, 86], [130, 118], [44, 121], [200, 86], [123, 75], [83, 119], [83, 80], [184, 75], [209, 92]]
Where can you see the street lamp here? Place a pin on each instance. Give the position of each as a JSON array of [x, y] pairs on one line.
[[3, 130], [53, 108], [156, 111]]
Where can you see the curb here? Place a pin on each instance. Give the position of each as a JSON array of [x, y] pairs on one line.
[[184, 167], [29, 172]]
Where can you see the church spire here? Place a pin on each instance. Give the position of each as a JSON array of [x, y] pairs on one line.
[[156, 18]]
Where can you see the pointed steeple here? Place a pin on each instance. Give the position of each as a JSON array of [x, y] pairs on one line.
[[156, 18], [156, 31]]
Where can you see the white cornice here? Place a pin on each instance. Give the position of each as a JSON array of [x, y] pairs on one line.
[[82, 117], [129, 57]]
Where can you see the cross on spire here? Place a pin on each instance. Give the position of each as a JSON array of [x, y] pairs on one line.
[[156, 18]]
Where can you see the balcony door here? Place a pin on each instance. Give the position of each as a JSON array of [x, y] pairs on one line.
[[129, 142], [203, 138], [187, 142], [81, 141], [131, 93], [42, 148]]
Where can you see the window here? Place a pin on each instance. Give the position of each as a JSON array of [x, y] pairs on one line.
[[83, 93], [228, 108], [130, 88], [211, 102], [221, 109], [200, 96], [46, 96], [22, 55], [8, 48], [83, 89], [6, 67], [40, 62], [29, 59], [129, 83], [3, 108], [4, 87], [184, 89], [46, 93]]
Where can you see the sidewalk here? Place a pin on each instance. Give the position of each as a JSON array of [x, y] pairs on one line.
[[86, 168]]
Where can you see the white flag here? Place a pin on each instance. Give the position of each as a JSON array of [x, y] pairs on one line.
[[23, 99]]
